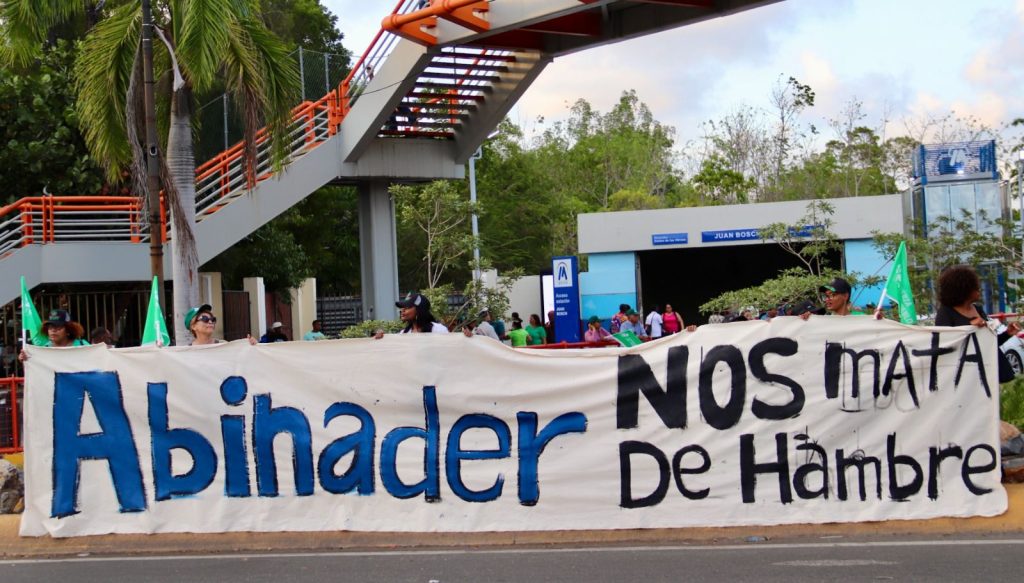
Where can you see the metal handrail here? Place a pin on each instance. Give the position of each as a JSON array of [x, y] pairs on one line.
[[13, 429]]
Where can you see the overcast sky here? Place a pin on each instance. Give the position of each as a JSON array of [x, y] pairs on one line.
[[912, 57]]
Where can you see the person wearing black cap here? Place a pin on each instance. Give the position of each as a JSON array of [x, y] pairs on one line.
[[414, 311], [837, 298], [61, 332]]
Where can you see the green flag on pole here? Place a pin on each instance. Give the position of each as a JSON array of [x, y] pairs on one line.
[[628, 338], [31, 323], [898, 287], [155, 331]]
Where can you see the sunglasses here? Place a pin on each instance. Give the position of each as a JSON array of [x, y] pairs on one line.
[[207, 319]]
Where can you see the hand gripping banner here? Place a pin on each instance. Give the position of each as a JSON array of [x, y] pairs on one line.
[[754, 423]]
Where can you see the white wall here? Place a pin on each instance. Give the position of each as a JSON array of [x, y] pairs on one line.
[[524, 297]]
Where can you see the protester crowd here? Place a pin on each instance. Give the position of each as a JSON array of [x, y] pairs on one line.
[[957, 286]]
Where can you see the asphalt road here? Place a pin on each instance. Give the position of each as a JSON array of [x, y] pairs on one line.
[[967, 559]]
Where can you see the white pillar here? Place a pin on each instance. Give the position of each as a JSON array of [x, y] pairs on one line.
[[378, 251], [257, 305], [211, 292], [303, 308]]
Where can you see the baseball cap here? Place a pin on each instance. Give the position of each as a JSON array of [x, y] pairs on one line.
[[191, 315], [807, 306], [275, 325], [413, 300], [58, 317], [837, 285]]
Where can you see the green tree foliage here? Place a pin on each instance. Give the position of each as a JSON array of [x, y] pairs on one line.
[[967, 239], [718, 183], [319, 237], [39, 131], [304, 23], [434, 224]]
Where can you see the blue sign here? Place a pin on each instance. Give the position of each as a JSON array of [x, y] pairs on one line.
[[670, 239], [565, 272], [955, 161], [729, 236]]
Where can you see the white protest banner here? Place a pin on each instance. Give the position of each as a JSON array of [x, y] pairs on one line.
[[754, 423]]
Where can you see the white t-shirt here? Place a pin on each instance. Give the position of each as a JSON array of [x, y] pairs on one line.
[[435, 328], [485, 329], [654, 323]]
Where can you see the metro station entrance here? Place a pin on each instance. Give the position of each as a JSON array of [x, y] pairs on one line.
[[687, 278]]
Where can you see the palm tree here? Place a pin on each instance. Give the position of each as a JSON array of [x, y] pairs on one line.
[[204, 43]]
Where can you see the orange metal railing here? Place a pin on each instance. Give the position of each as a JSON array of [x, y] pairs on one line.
[[10, 415], [52, 219]]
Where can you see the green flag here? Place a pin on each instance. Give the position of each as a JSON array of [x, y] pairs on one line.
[[155, 331], [628, 338], [31, 323], [898, 287]]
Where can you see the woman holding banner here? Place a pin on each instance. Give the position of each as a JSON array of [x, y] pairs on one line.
[[201, 322], [61, 332], [959, 292]]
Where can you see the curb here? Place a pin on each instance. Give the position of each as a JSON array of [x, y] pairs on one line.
[[13, 546]]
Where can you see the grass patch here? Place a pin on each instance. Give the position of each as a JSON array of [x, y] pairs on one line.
[[1011, 402]]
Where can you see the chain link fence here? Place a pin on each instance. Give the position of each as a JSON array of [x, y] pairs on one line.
[[219, 121]]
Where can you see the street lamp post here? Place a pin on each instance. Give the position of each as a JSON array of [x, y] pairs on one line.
[[1020, 195], [156, 247], [476, 226]]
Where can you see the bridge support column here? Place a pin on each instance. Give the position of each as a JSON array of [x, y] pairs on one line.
[[378, 251]]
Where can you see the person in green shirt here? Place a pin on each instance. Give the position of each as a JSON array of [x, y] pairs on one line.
[[517, 335], [538, 335]]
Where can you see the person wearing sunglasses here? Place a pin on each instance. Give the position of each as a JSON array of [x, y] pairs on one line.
[[201, 322]]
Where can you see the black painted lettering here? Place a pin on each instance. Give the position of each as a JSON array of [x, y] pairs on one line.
[[894, 460], [935, 457], [975, 357], [933, 353], [834, 360], [782, 347], [635, 377], [749, 468], [678, 471], [968, 470], [900, 354], [626, 450], [723, 417], [859, 461]]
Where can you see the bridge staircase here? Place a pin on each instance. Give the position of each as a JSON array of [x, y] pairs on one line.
[[434, 82]]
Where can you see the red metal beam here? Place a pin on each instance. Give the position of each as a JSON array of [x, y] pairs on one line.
[[513, 39], [579, 23]]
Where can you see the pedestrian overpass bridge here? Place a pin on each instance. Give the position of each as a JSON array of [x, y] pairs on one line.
[[434, 82]]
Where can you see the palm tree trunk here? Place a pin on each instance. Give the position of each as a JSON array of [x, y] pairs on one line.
[[181, 170]]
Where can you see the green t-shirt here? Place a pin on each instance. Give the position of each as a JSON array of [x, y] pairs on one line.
[[519, 337], [537, 334]]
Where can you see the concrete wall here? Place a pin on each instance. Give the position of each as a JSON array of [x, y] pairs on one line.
[[525, 298], [854, 218]]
